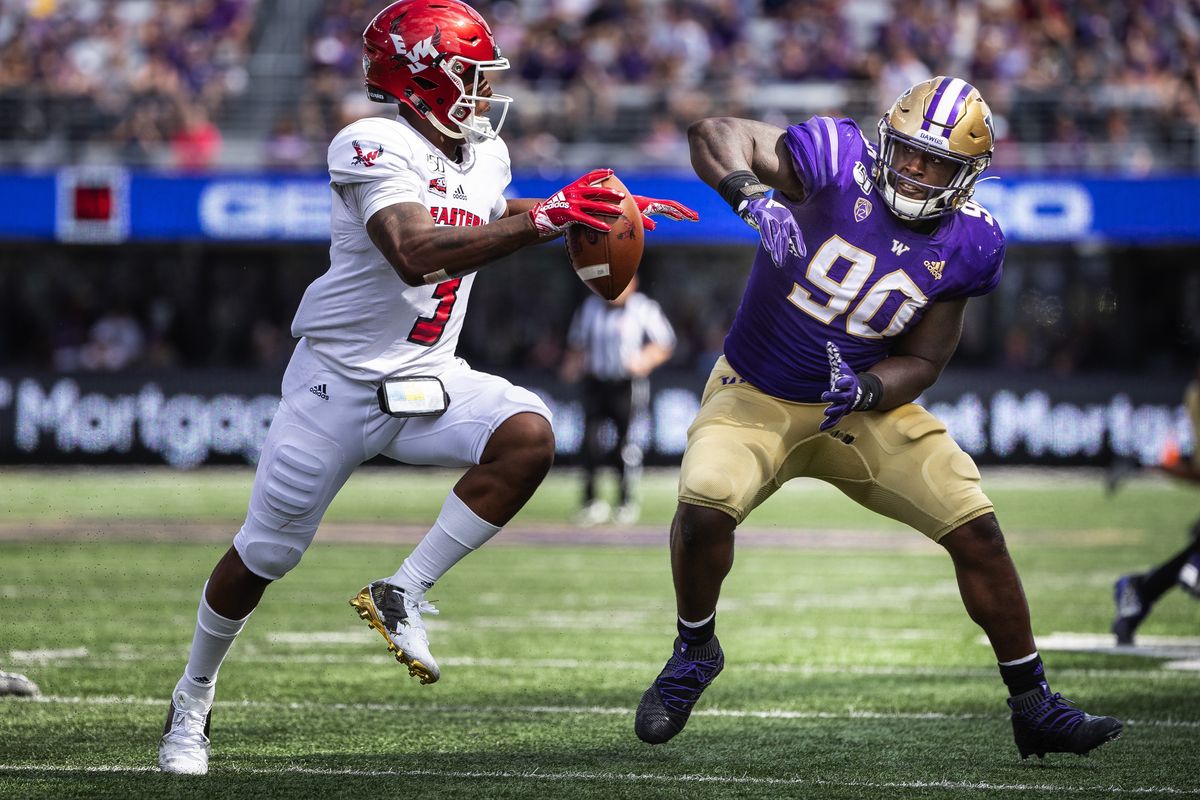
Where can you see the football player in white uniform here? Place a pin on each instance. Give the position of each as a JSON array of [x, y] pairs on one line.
[[418, 207]]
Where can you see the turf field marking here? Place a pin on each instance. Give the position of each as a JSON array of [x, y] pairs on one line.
[[48, 656], [254, 654], [1184, 650], [629, 777], [776, 713]]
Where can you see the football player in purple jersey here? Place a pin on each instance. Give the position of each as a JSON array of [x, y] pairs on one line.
[[854, 305]]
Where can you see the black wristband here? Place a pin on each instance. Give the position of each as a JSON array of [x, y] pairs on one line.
[[872, 391], [737, 188]]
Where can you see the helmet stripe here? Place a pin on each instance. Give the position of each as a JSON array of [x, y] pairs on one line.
[[933, 103], [959, 104], [946, 104]]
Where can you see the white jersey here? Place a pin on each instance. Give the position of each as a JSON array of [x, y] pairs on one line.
[[359, 317]]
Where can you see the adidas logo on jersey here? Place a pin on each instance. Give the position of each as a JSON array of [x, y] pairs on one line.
[[935, 268], [459, 194], [319, 391]]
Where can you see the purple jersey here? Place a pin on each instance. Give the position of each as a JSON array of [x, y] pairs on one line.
[[867, 277]]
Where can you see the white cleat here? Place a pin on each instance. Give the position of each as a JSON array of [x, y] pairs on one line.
[[185, 744], [396, 613], [594, 512], [17, 685], [627, 514]]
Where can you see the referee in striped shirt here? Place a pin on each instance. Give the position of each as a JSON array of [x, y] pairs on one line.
[[614, 346]]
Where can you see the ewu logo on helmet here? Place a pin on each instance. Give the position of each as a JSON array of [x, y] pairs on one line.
[[448, 50], [426, 47]]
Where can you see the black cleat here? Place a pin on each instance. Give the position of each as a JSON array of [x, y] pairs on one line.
[[667, 704], [1047, 723], [1127, 592]]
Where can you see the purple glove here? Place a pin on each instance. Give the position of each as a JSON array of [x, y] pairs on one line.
[[776, 227], [847, 391]]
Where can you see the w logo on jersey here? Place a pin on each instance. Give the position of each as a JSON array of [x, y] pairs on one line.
[[426, 48], [899, 247], [365, 157]]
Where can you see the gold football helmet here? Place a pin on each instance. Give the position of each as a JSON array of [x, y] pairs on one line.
[[946, 119]]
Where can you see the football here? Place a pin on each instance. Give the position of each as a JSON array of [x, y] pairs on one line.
[[606, 262]]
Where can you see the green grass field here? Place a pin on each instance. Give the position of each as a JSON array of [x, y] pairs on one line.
[[851, 669]]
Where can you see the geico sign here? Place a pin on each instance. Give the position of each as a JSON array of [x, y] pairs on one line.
[[1039, 210], [265, 210]]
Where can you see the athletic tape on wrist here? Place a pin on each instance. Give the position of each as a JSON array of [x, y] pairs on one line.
[[872, 391], [737, 188]]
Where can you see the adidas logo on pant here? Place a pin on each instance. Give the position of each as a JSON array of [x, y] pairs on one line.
[[319, 391]]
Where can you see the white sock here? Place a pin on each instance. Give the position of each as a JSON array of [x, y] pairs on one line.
[[212, 640], [457, 532]]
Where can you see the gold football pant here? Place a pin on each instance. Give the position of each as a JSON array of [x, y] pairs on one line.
[[744, 444]]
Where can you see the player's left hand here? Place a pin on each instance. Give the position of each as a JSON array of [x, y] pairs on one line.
[[666, 208], [846, 391], [777, 228]]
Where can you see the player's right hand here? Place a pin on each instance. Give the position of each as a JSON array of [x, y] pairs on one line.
[[575, 204], [777, 228]]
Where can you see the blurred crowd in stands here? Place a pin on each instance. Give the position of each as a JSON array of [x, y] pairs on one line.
[[141, 79], [1099, 84]]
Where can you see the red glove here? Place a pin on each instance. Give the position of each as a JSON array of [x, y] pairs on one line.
[[667, 208], [575, 203]]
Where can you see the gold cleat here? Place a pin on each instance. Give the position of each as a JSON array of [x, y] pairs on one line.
[[396, 614]]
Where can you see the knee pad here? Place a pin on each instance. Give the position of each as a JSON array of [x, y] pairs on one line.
[[293, 483], [270, 560], [708, 483], [292, 490]]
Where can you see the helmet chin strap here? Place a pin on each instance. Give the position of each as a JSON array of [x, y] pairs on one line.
[[455, 134]]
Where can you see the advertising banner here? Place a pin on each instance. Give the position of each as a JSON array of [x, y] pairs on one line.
[[193, 418], [89, 204]]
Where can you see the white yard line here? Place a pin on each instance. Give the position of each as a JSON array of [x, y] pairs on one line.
[[776, 713], [124, 654], [635, 777]]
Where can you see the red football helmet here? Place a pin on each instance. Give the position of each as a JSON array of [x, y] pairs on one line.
[[418, 52]]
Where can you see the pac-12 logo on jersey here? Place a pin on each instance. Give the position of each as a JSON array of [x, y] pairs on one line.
[[862, 209], [438, 186], [366, 153]]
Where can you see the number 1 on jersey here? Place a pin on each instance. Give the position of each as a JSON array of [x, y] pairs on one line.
[[427, 331]]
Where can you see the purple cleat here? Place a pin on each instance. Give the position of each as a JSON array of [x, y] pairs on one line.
[[667, 704], [1048, 723]]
